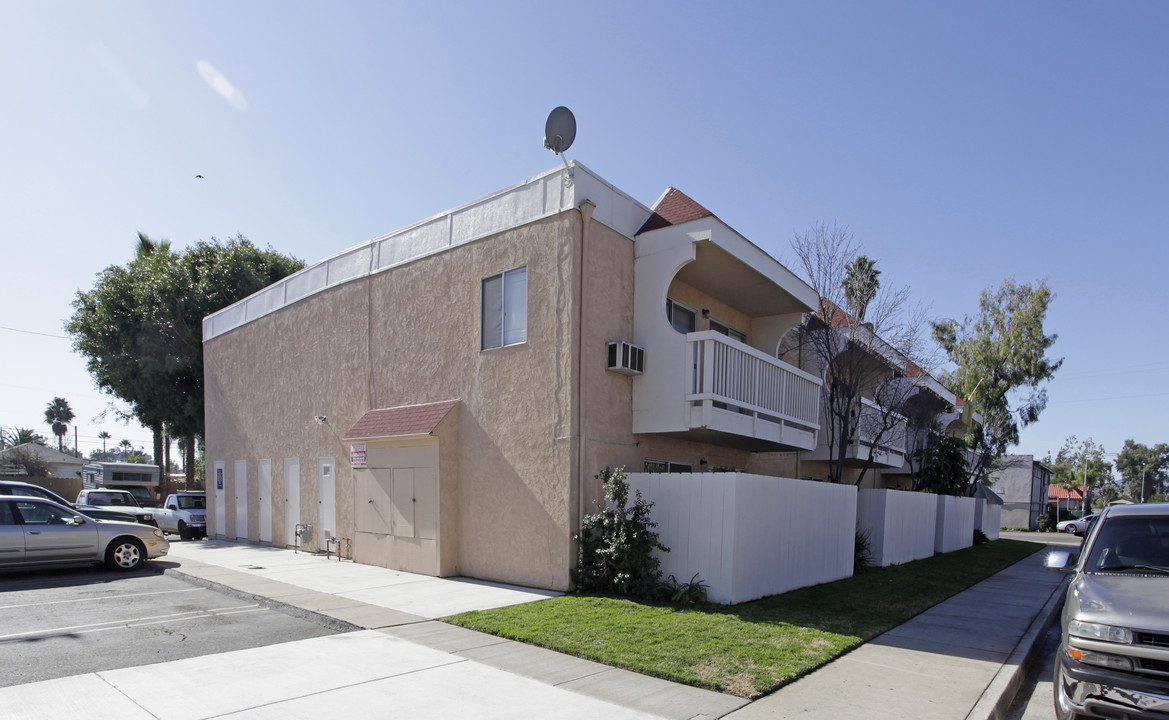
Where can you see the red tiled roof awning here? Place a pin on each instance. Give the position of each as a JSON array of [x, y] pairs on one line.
[[1058, 492], [400, 421]]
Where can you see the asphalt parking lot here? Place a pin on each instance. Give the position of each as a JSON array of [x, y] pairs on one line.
[[62, 622]]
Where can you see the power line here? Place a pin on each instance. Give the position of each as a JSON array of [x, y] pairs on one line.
[[33, 332]]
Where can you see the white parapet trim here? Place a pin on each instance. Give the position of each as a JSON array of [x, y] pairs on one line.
[[539, 197]]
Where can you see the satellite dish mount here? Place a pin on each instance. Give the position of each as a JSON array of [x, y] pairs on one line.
[[559, 132]]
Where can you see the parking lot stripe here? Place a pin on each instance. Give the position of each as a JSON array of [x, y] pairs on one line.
[[114, 624], [95, 599]]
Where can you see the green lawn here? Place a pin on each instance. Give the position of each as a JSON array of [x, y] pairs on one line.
[[751, 649]]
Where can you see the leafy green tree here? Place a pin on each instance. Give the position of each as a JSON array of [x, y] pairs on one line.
[[1082, 464], [141, 326], [1144, 470], [943, 469], [1001, 364], [58, 415]]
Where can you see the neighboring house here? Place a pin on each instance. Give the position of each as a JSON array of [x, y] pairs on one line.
[[1065, 503], [440, 399], [1023, 483], [61, 465]]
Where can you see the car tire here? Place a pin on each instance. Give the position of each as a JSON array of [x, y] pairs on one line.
[[184, 531], [1070, 530], [125, 554]]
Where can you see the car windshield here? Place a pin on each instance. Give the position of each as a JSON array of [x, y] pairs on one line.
[[1130, 544], [112, 498], [192, 502]]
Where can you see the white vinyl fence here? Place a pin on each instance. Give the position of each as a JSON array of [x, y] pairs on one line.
[[901, 525], [751, 536], [955, 523], [988, 517]]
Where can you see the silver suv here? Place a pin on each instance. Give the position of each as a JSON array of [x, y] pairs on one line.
[[1114, 654]]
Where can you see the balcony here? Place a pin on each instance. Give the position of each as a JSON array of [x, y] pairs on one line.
[[748, 398], [888, 450]]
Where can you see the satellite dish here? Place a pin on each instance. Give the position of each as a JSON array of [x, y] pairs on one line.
[[559, 130]]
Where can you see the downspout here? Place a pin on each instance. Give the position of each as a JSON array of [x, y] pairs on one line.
[[586, 208]]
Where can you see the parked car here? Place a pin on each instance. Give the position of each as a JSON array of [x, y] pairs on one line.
[[12, 487], [184, 513], [1076, 527], [34, 531], [118, 500], [1113, 658]]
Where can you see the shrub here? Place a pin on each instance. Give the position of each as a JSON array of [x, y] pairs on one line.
[[980, 537], [1046, 524], [682, 593], [862, 555], [615, 545]]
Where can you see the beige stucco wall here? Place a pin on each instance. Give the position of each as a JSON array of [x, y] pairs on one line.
[[406, 336], [536, 421]]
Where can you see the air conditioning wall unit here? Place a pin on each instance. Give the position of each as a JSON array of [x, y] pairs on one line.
[[625, 358]]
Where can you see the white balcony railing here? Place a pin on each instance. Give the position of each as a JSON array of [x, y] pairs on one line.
[[881, 431], [743, 379]]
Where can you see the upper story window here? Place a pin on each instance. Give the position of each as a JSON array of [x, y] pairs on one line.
[[728, 331], [683, 319], [505, 308]]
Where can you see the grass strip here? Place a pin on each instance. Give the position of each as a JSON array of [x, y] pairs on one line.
[[754, 648]]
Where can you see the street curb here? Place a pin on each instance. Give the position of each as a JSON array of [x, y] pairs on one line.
[[1005, 685], [291, 610]]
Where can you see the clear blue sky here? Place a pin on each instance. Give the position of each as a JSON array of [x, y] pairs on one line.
[[962, 142]]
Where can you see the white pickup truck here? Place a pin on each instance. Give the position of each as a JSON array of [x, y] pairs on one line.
[[184, 513]]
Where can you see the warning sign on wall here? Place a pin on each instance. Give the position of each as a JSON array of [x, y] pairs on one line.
[[357, 455]]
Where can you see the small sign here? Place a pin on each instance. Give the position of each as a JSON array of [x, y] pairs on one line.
[[218, 478], [357, 455]]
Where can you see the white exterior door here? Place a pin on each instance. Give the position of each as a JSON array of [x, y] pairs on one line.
[[265, 479], [327, 500], [220, 503], [291, 499], [241, 499]]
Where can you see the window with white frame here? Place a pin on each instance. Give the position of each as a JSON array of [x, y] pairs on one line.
[[505, 309], [683, 319]]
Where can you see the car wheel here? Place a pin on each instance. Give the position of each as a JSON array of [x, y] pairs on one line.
[[184, 531], [1070, 529], [125, 554]]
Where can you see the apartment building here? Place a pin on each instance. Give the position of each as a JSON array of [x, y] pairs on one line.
[[440, 399]]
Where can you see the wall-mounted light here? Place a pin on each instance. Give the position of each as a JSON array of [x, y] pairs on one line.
[[321, 419], [702, 461], [705, 312]]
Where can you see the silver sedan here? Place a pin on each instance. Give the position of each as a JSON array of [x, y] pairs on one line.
[[34, 531]]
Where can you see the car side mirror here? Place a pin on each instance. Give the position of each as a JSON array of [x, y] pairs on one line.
[[75, 520], [172, 507], [1060, 561]]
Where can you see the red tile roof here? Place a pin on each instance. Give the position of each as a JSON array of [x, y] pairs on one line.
[[674, 208], [399, 421], [1058, 492]]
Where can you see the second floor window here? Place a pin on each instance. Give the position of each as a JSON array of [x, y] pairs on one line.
[[505, 309], [681, 317]]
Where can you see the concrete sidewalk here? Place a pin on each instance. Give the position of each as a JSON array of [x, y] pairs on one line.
[[962, 659], [957, 660]]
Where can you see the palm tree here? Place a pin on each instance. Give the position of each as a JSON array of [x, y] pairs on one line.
[[126, 447], [860, 285], [147, 247], [104, 436], [20, 436], [58, 414]]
